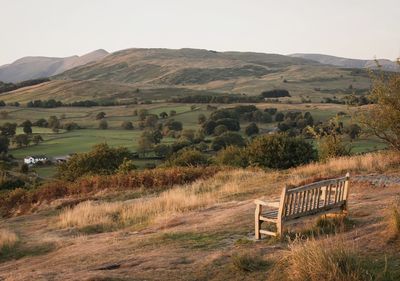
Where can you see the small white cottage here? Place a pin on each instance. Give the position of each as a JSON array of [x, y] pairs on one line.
[[35, 159]]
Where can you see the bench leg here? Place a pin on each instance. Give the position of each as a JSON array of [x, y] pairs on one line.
[[279, 228], [257, 222]]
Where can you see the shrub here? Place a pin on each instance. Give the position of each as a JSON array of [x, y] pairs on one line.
[[280, 151], [189, 157], [226, 139], [103, 125], [331, 146], [102, 159], [126, 166], [220, 129], [232, 156], [230, 123], [127, 125], [251, 129]]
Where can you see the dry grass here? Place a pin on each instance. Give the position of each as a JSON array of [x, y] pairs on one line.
[[373, 162], [7, 238], [223, 186], [180, 199], [394, 221], [322, 260]]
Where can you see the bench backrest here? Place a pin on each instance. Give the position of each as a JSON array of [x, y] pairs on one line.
[[314, 198]]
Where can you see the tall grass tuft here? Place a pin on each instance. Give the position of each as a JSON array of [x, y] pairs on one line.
[[394, 220], [8, 239], [324, 260]]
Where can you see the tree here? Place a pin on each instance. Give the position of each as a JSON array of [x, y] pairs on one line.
[[103, 125], [163, 115], [41, 123], [280, 151], [175, 125], [209, 127], [102, 159], [69, 126], [383, 117], [37, 139], [353, 131], [172, 113], [27, 127], [100, 115], [252, 129], [4, 144], [279, 117], [146, 142], [232, 156], [201, 118], [8, 129], [230, 123], [226, 139], [53, 122], [127, 125], [188, 157], [220, 129], [21, 140]]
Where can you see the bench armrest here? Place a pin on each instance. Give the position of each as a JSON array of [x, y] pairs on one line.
[[267, 204]]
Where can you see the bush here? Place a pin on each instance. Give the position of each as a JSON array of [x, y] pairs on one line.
[[220, 129], [232, 156], [280, 151], [103, 125], [251, 129], [331, 146], [230, 123], [127, 125], [226, 139], [188, 157], [102, 159]]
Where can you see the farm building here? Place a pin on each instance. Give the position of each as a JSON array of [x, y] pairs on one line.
[[35, 159]]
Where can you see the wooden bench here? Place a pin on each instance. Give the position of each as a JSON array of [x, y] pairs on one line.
[[296, 204]]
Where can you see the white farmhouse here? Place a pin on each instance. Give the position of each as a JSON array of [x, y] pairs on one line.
[[35, 159]]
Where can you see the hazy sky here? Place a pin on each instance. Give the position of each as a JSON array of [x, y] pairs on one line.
[[349, 28]]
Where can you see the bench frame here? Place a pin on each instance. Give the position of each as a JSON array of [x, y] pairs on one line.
[[304, 202]]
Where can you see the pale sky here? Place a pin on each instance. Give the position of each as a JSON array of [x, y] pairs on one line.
[[349, 28]]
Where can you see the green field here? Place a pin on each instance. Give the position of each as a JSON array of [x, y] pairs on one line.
[[64, 142]]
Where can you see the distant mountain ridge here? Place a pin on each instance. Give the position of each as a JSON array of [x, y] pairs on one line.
[[349, 63], [28, 68]]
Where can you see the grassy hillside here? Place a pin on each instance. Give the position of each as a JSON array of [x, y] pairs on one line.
[[164, 73], [116, 227]]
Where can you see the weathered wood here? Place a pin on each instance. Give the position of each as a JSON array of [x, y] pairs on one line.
[[303, 202]]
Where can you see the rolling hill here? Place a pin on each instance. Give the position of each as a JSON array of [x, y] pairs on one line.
[[28, 68], [350, 63], [164, 73]]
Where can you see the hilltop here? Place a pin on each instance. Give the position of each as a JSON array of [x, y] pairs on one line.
[[130, 73], [29, 68], [386, 64], [203, 229]]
